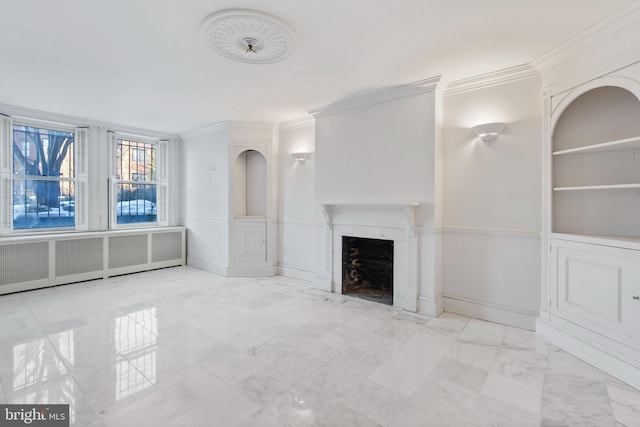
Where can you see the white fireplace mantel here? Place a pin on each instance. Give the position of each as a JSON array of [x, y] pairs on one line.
[[391, 221], [409, 210]]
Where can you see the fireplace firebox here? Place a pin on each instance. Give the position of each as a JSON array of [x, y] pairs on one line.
[[367, 269]]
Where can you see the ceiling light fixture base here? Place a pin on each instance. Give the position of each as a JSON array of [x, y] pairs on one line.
[[249, 36]]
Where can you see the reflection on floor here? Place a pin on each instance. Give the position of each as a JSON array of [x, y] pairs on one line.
[[182, 347]]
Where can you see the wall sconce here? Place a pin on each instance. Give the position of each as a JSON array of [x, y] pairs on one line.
[[300, 157], [488, 131]]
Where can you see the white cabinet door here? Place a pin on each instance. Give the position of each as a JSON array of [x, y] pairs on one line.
[[592, 286], [250, 247]]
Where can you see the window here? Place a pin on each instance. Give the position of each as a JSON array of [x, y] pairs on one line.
[[135, 184], [43, 178]]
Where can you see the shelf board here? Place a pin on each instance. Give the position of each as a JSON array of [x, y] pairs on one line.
[[628, 242], [620, 144], [598, 187]]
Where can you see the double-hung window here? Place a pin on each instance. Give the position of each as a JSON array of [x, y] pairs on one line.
[[138, 182], [40, 177]]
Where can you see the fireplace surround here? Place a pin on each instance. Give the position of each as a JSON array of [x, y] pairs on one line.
[[395, 222]]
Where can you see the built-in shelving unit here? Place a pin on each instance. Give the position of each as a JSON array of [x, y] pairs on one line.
[[594, 231]]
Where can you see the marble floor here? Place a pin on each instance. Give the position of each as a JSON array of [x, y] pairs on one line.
[[183, 347]]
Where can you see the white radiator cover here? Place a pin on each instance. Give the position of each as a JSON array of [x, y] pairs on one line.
[[37, 261]]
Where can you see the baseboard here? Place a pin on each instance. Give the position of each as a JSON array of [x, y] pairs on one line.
[[433, 308], [207, 266], [566, 340], [295, 273], [252, 271], [491, 312], [322, 283]]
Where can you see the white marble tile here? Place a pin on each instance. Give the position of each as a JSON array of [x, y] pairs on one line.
[[525, 365], [341, 416], [399, 330], [560, 360], [365, 323], [625, 402], [480, 356], [224, 407], [573, 399], [412, 357], [335, 377], [460, 373], [439, 404], [398, 377], [482, 333], [303, 405], [494, 413], [432, 343], [524, 396], [376, 402], [181, 346], [447, 324]]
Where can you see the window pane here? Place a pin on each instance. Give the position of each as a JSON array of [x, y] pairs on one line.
[[136, 203], [136, 161], [43, 204], [42, 152]]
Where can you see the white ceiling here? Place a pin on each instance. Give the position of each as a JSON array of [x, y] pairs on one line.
[[143, 63]]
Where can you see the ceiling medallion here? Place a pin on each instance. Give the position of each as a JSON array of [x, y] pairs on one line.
[[249, 36]]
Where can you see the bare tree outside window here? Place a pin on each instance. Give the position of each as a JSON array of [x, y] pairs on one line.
[[43, 177]]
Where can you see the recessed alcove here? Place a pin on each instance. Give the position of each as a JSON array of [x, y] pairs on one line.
[[596, 178], [250, 184]]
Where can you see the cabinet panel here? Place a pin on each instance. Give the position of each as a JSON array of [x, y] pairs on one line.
[[593, 286], [251, 242]]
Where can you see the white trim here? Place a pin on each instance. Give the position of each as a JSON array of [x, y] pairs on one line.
[[309, 222], [493, 231], [625, 371], [226, 125], [252, 271], [207, 266], [628, 83], [300, 122], [295, 273], [378, 97], [430, 307], [494, 78], [71, 121], [612, 24], [492, 312], [218, 220]]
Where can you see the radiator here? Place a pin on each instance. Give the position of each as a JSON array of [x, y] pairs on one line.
[[31, 262]]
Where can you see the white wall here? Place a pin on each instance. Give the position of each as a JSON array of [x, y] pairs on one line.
[[492, 203], [296, 201], [380, 153], [206, 196]]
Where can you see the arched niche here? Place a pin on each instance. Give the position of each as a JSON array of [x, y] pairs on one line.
[[250, 184], [601, 114], [595, 166]]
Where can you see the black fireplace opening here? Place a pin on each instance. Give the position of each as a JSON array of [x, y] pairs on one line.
[[367, 269]]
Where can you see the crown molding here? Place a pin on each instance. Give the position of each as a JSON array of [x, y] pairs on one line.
[[227, 125], [72, 121], [205, 129], [629, 16], [378, 97], [494, 78], [300, 122]]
